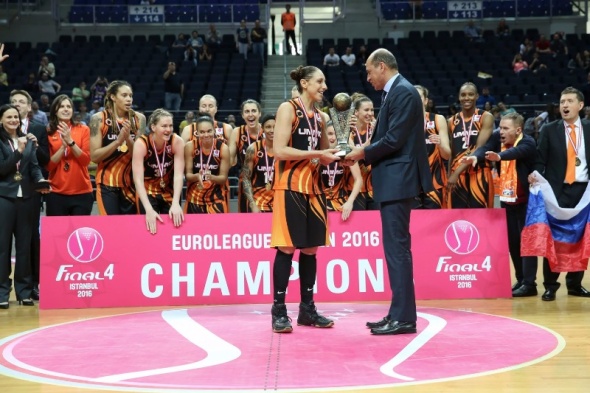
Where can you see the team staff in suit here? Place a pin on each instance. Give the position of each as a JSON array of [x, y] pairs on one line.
[[22, 101], [563, 160], [19, 173], [397, 155], [515, 154]]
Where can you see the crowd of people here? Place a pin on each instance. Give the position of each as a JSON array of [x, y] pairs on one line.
[[287, 162]]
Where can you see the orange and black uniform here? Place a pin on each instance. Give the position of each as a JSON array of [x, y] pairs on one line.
[[244, 141], [213, 197], [115, 191], [434, 199], [364, 200], [160, 197], [299, 213], [71, 189], [335, 178], [475, 186], [262, 174]]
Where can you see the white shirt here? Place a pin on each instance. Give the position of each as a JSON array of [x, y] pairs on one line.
[[349, 59], [331, 59]]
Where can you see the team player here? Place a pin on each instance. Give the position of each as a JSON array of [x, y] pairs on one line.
[[112, 135], [335, 179], [299, 219], [158, 168], [360, 135], [241, 138], [439, 151], [469, 187], [69, 149], [258, 169], [206, 168], [208, 105]]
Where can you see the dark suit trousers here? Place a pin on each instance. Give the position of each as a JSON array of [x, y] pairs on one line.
[[525, 268], [569, 198], [36, 238], [17, 219], [395, 219]]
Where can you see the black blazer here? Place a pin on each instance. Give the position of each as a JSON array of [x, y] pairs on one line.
[[42, 151], [28, 168], [552, 153], [525, 154], [397, 152]]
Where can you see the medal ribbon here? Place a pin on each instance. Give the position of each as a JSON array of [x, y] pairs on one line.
[[13, 148], [160, 166], [206, 167], [269, 172]]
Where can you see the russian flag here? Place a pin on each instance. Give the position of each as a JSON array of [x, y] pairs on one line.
[[561, 235]]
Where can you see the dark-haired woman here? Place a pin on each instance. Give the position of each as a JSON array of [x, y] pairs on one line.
[[69, 150], [19, 177], [360, 135], [469, 187], [206, 161], [158, 168], [299, 218], [258, 169], [439, 151], [112, 134], [241, 138]]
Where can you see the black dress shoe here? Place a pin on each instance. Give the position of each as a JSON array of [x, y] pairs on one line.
[[383, 322], [35, 293], [516, 286], [395, 327], [582, 292], [524, 291], [548, 295]]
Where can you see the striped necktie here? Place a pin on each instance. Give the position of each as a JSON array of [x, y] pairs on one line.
[[383, 95]]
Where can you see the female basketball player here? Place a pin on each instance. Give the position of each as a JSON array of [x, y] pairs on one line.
[[469, 187], [206, 168], [299, 210], [439, 151], [112, 134], [158, 169], [258, 169]]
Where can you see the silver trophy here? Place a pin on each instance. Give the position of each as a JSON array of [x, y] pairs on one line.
[[341, 114]]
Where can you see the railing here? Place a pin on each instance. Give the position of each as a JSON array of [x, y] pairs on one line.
[[478, 9]]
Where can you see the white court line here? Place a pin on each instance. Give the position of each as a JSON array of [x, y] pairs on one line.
[[435, 325], [218, 351]]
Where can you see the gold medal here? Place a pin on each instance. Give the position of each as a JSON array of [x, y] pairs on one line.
[[18, 176], [123, 148], [578, 161], [162, 183], [268, 187]]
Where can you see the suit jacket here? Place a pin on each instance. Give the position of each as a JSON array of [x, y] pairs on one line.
[[28, 168], [525, 154], [42, 151], [552, 153], [397, 153]]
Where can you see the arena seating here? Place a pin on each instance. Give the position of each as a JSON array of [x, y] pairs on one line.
[[442, 62], [141, 61]]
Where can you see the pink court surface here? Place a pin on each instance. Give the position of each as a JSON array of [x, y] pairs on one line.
[[232, 348]]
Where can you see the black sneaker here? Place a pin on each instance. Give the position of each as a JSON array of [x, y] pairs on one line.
[[308, 316], [281, 323]]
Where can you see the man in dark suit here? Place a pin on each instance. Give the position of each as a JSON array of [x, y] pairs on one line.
[[563, 154], [397, 153], [515, 154], [22, 101]]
